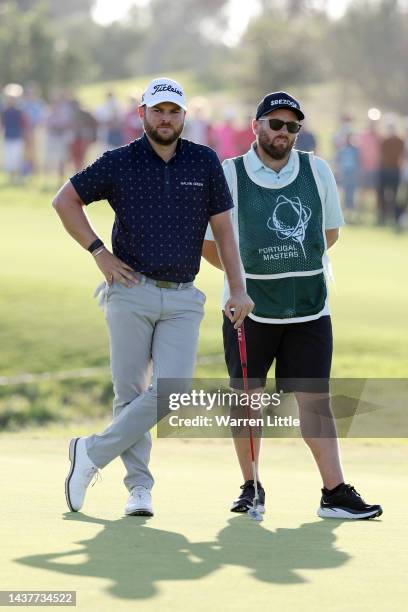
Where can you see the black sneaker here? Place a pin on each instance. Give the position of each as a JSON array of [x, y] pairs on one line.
[[246, 499], [346, 503]]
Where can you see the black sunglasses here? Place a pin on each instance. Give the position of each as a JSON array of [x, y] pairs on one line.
[[277, 124]]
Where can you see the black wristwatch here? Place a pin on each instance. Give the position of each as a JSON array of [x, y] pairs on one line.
[[95, 245]]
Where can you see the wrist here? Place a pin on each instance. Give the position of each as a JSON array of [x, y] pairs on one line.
[[95, 246], [98, 251], [237, 288]]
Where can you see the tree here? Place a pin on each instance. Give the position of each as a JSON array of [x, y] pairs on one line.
[[57, 9], [183, 37], [292, 9], [369, 49], [26, 46], [277, 52], [112, 52], [29, 49]]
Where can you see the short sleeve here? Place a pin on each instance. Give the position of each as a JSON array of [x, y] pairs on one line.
[[226, 167], [331, 202], [95, 181], [220, 197]]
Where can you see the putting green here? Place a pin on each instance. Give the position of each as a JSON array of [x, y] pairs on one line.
[[194, 554]]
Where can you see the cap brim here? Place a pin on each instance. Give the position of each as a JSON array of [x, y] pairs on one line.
[[164, 99]]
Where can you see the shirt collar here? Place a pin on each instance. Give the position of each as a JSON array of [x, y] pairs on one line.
[[256, 164], [148, 147]]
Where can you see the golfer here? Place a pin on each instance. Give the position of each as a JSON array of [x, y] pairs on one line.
[[163, 190], [286, 215]]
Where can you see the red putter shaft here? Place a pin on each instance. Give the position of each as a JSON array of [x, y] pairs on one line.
[[244, 366]]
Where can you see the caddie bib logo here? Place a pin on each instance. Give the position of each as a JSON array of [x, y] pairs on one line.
[[289, 220]]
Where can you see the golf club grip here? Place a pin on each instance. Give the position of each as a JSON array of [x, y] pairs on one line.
[[243, 355]]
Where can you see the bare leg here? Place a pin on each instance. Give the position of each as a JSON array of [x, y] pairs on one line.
[[319, 433], [242, 443]]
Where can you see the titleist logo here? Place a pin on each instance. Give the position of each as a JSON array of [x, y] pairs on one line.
[[158, 88]]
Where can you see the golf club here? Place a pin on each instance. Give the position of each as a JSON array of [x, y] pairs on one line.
[[253, 512]]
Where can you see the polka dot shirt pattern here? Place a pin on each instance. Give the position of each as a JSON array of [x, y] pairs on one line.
[[161, 209]]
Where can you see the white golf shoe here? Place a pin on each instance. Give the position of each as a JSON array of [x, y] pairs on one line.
[[81, 473], [139, 502]]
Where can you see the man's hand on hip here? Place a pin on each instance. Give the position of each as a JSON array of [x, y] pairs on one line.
[[114, 269], [238, 307]]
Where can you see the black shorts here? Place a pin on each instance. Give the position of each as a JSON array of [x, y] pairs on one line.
[[302, 351]]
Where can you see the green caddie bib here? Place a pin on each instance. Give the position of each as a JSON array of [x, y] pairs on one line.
[[282, 244]]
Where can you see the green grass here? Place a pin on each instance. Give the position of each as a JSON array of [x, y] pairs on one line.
[[203, 559], [369, 303], [51, 323]]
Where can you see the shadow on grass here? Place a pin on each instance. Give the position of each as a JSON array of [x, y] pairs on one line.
[[137, 558]]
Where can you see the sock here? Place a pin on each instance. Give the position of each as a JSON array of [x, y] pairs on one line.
[[332, 491]]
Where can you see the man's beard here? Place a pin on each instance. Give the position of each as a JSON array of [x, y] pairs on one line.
[[279, 151], [157, 138]]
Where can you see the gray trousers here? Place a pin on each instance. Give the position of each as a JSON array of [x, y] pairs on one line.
[[153, 334]]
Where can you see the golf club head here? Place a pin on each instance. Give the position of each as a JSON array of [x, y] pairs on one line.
[[255, 515]]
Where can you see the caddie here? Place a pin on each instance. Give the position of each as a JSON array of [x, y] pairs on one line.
[[286, 216]]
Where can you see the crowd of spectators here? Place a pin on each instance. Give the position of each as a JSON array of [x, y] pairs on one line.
[[55, 137], [373, 161]]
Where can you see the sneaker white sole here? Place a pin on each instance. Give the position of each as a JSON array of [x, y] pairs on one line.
[[71, 455], [341, 513]]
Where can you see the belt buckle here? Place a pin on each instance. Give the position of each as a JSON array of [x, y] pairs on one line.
[[164, 284]]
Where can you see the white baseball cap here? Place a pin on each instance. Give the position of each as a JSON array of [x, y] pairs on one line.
[[13, 90], [163, 90]]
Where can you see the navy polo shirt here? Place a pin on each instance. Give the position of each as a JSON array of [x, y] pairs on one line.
[[161, 209]]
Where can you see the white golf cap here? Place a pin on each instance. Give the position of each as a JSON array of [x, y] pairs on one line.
[[163, 90]]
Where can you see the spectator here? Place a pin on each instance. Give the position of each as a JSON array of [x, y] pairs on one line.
[[368, 143], [345, 128], [391, 157], [132, 126], [14, 124], [197, 127], [35, 110], [403, 192], [110, 118], [348, 167], [245, 137], [59, 134], [84, 127], [224, 137], [306, 140]]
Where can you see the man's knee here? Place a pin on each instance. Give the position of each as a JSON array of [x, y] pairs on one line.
[[316, 417]]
